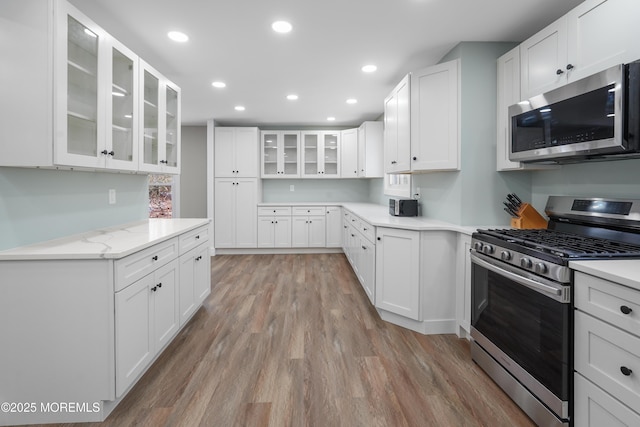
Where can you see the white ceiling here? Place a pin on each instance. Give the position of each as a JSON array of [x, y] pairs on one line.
[[320, 60]]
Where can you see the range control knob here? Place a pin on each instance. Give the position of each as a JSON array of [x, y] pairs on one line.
[[540, 268], [478, 246], [505, 255], [525, 263], [488, 249]]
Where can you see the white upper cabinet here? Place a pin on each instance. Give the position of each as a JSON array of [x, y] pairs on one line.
[[370, 150], [160, 130], [508, 94], [594, 36], [320, 154], [85, 92], [397, 128], [435, 101], [236, 152], [280, 154], [349, 153]]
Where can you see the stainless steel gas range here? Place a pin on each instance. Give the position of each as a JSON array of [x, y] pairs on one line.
[[521, 297]]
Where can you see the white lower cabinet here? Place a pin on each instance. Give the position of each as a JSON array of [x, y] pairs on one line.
[[398, 271], [358, 246], [195, 265], [607, 353], [274, 227], [334, 226], [415, 279], [235, 212], [463, 285], [308, 227]]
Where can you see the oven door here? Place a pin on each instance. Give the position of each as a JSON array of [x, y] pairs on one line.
[[524, 322]]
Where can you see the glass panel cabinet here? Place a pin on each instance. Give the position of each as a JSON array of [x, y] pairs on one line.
[[280, 154], [97, 107], [321, 153]]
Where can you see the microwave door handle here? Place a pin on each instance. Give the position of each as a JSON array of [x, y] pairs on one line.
[[532, 284]]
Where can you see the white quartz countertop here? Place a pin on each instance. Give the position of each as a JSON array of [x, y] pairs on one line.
[[623, 271], [108, 243], [378, 216]]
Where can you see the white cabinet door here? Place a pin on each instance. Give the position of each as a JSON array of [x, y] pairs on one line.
[[398, 271], [224, 212], [166, 318], [266, 231], [186, 293], [80, 77], [435, 136], [246, 214], [508, 94], [202, 277], [349, 153], [334, 226], [397, 128], [544, 59], [601, 34], [282, 232], [236, 152], [463, 283], [300, 232], [317, 232], [370, 150], [134, 332], [368, 268]]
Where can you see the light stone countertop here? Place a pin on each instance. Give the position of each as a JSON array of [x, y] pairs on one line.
[[378, 216], [623, 271], [108, 243]]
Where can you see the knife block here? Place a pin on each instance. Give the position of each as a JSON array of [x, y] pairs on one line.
[[528, 217]]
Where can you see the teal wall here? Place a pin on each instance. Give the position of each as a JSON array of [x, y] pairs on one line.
[[616, 179], [315, 190], [38, 205], [473, 195]]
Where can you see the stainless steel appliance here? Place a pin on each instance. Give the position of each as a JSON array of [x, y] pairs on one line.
[[595, 117], [403, 207], [521, 297]]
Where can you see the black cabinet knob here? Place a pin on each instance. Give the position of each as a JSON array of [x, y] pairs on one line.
[[625, 371], [159, 285], [415, 158], [197, 237], [379, 238], [112, 153], [154, 258], [559, 71], [569, 66], [105, 152], [154, 289], [626, 310]]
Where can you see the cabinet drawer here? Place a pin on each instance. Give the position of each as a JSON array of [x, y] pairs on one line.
[[193, 238], [593, 407], [274, 211], [368, 231], [137, 265], [309, 210], [614, 303], [608, 357]]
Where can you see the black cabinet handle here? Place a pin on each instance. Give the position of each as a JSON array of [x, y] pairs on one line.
[[154, 258], [197, 237], [569, 66], [625, 371], [393, 162], [559, 71], [625, 310], [112, 153], [160, 284], [154, 289], [364, 247], [164, 161], [105, 152], [199, 258]]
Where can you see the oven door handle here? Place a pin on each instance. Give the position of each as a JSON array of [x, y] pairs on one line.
[[532, 284]]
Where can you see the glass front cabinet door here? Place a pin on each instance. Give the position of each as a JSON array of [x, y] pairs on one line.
[[321, 154], [280, 154], [79, 134], [160, 131]]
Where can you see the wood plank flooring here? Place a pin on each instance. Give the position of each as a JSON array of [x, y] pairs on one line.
[[292, 340]]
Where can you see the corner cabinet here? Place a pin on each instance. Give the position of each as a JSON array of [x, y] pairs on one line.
[[85, 90]]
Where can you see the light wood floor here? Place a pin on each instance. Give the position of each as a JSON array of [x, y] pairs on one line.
[[292, 340]]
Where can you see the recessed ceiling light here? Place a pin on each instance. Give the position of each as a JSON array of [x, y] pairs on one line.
[[352, 101], [219, 85], [281, 27], [292, 97], [177, 36], [331, 119], [369, 68], [239, 108]]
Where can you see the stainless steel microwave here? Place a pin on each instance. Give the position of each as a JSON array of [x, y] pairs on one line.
[[593, 118]]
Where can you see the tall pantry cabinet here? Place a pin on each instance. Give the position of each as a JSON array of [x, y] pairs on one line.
[[236, 186]]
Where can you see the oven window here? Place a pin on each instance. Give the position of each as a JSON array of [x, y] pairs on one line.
[[530, 328]]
